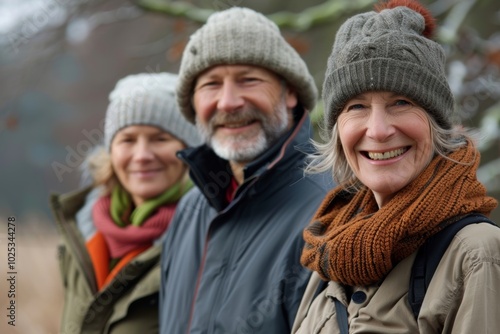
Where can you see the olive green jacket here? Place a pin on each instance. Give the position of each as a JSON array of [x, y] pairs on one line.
[[128, 304]]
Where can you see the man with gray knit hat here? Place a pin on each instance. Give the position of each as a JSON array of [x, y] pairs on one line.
[[230, 263]]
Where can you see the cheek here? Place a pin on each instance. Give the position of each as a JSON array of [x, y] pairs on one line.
[[201, 105], [168, 155], [117, 160], [419, 130], [347, 134], [170, 159]]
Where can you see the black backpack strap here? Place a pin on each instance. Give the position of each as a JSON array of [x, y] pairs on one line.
[[321, 287], [429, 255], [342, 317], [340, 309]]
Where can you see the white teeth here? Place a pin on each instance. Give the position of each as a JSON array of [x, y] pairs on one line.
[[386, 155], [236, 125]]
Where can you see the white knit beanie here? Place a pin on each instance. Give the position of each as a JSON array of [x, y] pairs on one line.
[[241, 36], [147, 99]]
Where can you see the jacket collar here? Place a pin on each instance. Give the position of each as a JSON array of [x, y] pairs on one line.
[[213, 174]]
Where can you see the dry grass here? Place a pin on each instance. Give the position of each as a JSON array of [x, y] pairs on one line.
[[39, 295]]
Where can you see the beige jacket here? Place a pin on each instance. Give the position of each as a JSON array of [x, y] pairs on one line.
[[463, 297]]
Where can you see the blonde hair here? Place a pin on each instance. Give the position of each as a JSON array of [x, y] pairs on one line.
[[101, 169]]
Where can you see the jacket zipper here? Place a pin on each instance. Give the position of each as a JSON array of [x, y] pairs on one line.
[[252, 179], [222, 283], [198, 281]]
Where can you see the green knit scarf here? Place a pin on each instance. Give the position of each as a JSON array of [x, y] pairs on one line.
[[122, 210]]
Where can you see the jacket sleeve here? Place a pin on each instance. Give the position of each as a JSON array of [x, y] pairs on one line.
[[480, 302], [163, 277], [464, 292], [478, 310], [167, 251], [166, 246], [295, 281]]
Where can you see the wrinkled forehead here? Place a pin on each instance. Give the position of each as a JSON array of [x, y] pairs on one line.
[[235, 70]]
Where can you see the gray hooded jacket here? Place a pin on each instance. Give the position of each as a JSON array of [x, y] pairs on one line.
[[235, 268]]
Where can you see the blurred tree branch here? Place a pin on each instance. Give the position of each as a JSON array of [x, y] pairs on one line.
[[326, 12], [453, 21]]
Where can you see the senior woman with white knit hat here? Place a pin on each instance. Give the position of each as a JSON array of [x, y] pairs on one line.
[[109, 254]]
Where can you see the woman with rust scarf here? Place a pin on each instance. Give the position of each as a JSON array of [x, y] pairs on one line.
[[405, 173]]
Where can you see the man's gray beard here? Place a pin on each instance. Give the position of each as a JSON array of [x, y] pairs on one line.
[[273, 127]]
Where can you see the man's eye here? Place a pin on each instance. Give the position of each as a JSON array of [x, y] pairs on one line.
[[206, 84], [209, 83], [250, 79]]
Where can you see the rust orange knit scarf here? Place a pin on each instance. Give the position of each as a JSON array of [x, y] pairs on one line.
[[353, 242]]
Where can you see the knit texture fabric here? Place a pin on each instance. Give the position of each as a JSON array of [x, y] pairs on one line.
[[121, 203], [387, 51], [352, 241], [147, 99], [122, 240], [241, 36]]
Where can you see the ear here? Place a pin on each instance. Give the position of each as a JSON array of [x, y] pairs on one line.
[[291, 99]]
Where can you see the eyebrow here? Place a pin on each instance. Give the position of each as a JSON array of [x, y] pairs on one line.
[[131, 132], [244, 70], [359, 97], [363, 96]]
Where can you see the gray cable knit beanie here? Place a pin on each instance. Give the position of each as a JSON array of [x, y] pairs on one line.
[[242, 36], [387, 51], [147, 99]]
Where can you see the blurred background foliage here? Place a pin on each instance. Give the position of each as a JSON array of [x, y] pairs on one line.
[[59, 59]]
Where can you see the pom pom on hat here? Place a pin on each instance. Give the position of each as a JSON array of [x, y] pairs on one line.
[[388, 50], [430, 21]]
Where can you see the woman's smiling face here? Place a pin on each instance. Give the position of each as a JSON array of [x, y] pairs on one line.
[[144, 160], [386, 139]]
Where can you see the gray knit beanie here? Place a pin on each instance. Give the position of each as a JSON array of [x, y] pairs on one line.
[[245, 37], [147, 99], [387, 51]]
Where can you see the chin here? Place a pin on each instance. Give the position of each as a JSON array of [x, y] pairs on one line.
[[237, 152], [147, 194]]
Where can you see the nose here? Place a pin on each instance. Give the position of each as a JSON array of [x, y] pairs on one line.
[[143, 151], [230, 98], [380, 125]]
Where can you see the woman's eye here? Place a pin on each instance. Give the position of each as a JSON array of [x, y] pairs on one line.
[[402, 103], [355, 107]]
